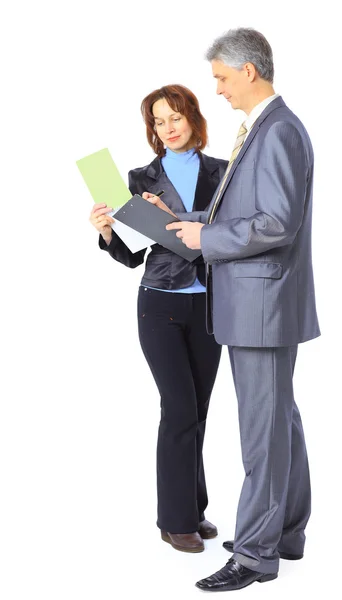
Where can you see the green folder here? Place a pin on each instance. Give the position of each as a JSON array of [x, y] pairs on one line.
[[103, 179]]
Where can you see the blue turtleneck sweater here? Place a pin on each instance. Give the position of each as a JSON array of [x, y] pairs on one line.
[[182, 170]]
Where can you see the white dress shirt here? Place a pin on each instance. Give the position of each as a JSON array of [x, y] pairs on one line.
[[256, 112]]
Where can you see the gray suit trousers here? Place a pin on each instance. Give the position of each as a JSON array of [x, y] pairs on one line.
[[275, 500]]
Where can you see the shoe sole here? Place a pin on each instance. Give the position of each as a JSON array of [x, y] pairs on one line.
[[208, 536], [262, 579], [166, 538], [268, 577], [290, 556]]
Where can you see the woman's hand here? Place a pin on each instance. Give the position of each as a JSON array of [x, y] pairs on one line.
[[158, 202], [102, 221]]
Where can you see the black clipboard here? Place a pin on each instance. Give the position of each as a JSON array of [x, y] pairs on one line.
[[148, 219]]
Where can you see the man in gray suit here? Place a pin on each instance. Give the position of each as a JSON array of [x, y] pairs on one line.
[[256, 241]]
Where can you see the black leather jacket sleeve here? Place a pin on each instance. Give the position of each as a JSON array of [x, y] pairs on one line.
[[117, 249]]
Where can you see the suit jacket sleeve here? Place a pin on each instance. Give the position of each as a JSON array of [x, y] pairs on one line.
[[196, 216], [281, 179], [117, 249]]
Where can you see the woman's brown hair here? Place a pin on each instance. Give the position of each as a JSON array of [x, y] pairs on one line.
[[181, 100]]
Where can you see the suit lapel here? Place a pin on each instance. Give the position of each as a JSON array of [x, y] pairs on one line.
[[241, 154], [207, 182], [155, 171], [277, 103]]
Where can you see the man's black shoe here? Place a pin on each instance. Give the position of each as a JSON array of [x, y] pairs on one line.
[[233, 576]]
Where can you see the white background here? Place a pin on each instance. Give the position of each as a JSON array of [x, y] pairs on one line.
[[80, 409]]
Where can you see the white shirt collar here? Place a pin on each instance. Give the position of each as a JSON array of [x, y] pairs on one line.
[[257, 110]]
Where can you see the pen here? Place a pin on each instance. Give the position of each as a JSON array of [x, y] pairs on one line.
[[159, 193]]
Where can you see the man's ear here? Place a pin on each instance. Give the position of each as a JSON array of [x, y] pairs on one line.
[[250, 71]]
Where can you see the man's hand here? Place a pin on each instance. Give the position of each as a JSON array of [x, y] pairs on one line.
[[189, 233]]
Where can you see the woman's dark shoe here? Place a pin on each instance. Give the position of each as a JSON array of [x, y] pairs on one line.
[[230, 547], [207, 530], [185, 542]]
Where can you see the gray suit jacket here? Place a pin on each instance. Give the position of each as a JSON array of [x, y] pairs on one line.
[[258, 249]]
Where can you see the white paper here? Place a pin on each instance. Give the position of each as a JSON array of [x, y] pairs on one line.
[[134, 240]]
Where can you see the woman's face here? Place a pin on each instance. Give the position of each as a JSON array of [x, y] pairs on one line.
[[171, 127]]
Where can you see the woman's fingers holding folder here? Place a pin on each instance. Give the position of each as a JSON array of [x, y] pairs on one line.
[[151, 198], [102, 221], [157, 202], [100, 209]]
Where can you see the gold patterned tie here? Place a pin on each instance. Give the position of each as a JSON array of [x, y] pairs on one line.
[[237, 147]]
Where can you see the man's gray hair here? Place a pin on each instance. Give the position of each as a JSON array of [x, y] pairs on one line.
[[239, 46]]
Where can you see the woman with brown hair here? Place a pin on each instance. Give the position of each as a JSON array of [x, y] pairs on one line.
[[182, 357]]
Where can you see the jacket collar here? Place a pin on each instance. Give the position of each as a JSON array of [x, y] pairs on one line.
[[207, 163], [208, 179], [277, 103]]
